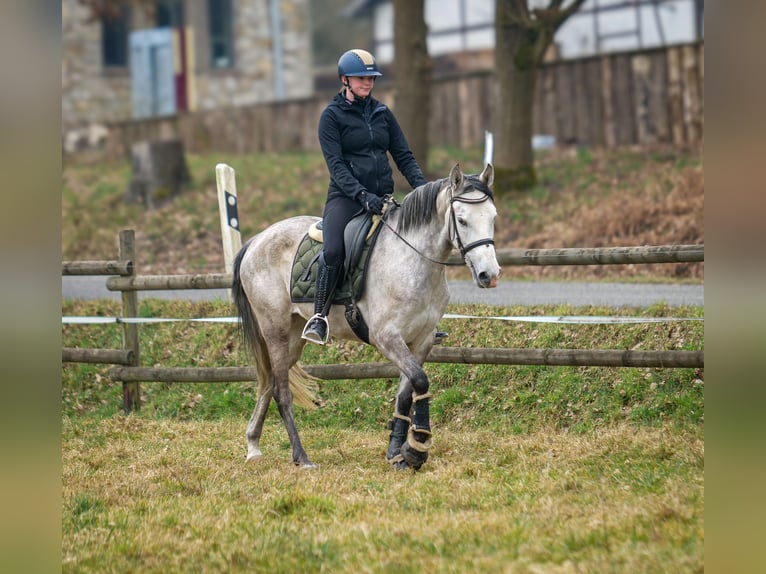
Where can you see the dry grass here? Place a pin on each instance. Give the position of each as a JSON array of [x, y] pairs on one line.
[[168, 496], [585, 198], [653, 205]]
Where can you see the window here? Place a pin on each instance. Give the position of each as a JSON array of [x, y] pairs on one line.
[[114, 39], [221, 42], [170, 14]]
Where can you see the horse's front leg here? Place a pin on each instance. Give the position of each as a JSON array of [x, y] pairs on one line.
[[400, 424], [410, 438]]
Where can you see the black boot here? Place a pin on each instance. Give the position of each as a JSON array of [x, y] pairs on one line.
[[398, 426], [317, 328]]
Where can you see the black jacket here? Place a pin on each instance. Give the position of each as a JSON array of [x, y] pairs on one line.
[[355, 138]]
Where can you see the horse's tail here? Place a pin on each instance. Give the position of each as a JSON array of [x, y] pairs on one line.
[[302, 385]]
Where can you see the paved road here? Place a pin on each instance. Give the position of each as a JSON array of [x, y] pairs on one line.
[[508, 293]]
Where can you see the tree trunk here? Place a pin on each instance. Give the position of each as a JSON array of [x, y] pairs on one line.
[[516, 73], [412, 74], [514, 159], [159, 172], [522, 36]]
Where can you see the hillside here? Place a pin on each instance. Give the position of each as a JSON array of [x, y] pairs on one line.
[[585, 198]]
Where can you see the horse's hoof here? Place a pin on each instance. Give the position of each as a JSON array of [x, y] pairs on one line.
[[397, 462], [308, 465], [253, 457], [412, 457]]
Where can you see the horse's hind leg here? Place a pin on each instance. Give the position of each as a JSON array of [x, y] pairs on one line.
[[285, 350], [283, 396], [255, 426]]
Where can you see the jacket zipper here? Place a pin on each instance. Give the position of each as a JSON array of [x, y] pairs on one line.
[[372, 151]]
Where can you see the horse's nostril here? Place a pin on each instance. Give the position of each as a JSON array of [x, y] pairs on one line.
[[484, 278]]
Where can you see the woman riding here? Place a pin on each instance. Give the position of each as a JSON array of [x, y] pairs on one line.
[[355, 132]]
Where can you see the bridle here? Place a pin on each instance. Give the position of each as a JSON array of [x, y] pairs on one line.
[[464, 249]]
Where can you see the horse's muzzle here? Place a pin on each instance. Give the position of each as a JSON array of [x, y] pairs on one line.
[[487, 281]]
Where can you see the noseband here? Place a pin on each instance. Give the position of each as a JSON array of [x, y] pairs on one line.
[[464, 249]]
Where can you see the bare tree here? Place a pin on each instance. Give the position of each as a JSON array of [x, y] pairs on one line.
[[412, 74], [522, 36]]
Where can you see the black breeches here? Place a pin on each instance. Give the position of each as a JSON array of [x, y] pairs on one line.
[[338, 211]]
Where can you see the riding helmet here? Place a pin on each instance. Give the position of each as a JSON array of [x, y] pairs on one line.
[[357, 63]]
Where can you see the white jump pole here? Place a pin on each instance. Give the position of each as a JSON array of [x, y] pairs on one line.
[[227, 207], [489, 147]]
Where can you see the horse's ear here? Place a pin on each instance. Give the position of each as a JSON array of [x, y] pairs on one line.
[[488, 175], [456, 176]]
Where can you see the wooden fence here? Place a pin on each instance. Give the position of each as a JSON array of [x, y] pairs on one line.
[[130, 373], [611, 100]]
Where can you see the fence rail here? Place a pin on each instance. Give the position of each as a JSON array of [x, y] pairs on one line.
[[130, 373], [97, 268], [454, 355], [509, 257], [102, 356]]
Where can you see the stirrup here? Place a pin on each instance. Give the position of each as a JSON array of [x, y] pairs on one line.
[[311, 334]]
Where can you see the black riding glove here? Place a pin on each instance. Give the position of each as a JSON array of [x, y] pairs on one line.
[[372, 203]]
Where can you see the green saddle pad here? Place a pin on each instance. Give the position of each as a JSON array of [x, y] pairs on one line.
[[303, 279]]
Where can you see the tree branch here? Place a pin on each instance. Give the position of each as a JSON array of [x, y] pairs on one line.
[[517, 12], [554, 15]]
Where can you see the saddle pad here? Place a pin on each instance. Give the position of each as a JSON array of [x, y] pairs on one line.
[[303, 284]]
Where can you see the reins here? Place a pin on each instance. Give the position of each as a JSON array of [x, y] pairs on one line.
[[416, 250], [464, 249]]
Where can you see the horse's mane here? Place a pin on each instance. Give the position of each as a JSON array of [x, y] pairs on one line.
[[419, 206]]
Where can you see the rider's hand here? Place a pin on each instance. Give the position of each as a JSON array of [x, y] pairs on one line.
[[373, 203]]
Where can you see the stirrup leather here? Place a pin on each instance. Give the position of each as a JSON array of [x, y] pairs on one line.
[[310, 335]]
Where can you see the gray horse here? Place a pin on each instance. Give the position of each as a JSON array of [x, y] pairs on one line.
[[404, 299]]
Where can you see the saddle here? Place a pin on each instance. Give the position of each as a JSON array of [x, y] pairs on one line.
[[359, 237]]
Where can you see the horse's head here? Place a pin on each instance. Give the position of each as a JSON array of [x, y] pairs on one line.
[[472, 219]]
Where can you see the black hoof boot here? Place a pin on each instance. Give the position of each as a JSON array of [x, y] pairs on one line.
[[415, 449], [413, 458], [398, 427]]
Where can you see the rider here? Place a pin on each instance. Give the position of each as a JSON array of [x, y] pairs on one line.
[[355, 132]]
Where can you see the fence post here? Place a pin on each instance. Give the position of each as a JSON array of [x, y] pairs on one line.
[[227, 207], [131, 392]]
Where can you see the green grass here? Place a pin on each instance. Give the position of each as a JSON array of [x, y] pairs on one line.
[[533, 468]]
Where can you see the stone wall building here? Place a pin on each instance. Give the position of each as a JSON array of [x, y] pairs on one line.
[[234, 58]]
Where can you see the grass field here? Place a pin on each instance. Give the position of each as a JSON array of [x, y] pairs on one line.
[[533, 470]]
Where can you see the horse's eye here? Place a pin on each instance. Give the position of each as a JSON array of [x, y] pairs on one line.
[[461, 221]]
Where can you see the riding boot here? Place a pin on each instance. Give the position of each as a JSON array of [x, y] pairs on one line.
[[317, 329]]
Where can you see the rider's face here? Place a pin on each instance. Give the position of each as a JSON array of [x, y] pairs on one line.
[[361, 85]]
